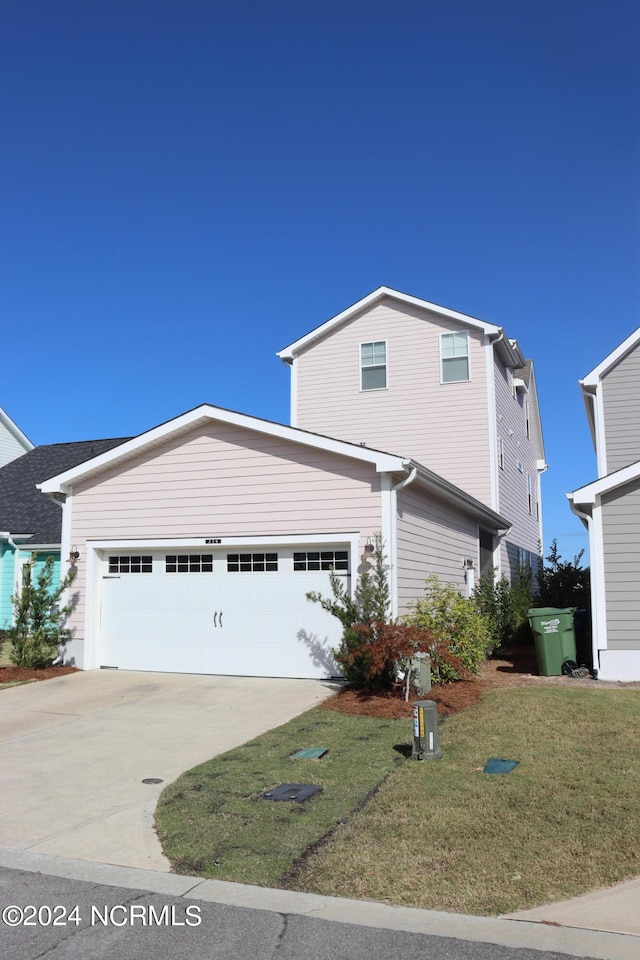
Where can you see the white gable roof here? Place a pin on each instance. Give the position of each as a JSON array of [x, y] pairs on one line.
[[587, 496], [510, 347], [593, 379], [207, 413]]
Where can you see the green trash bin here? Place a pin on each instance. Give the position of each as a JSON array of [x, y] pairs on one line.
[[555, 637]]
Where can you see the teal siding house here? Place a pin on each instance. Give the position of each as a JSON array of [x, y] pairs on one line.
[[30, 521]]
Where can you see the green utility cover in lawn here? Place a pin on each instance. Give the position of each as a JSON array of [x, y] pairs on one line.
[[555, 637], [499, 766], [312, 753]]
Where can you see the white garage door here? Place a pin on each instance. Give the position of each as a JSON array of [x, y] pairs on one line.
[[237, 611]]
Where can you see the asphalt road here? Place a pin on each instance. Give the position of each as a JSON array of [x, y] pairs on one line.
[[66, 919]]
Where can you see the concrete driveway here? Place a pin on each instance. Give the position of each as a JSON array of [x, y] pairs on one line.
[[75, 750]]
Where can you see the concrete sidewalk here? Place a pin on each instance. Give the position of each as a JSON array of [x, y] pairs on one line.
[[75, 750], [493, 930], [614, 909]]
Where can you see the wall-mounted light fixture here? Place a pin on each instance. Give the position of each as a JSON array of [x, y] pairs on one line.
[[74, 554]]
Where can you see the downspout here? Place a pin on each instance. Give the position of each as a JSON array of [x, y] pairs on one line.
[[394, 538], [7, 536], [587, 519]]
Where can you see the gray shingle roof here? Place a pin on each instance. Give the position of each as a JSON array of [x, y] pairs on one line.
[[23, 509]]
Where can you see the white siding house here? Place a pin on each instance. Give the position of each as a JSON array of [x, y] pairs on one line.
[[610, 509]]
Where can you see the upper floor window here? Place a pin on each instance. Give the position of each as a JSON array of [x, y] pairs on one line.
[[529, 493], [454, 353], [373, 365]]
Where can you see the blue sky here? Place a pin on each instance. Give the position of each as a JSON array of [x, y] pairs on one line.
[[189, 186]]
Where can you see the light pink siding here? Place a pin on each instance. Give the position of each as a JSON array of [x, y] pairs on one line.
[[221, 480], [520, 460], [432, 537], [443, 426]]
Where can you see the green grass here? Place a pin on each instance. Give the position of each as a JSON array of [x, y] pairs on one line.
[[436, 834], [212, 823]]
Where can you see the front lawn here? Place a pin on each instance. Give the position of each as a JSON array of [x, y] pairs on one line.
[[435, 834]]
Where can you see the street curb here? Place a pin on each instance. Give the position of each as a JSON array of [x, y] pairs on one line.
[[497, 930]]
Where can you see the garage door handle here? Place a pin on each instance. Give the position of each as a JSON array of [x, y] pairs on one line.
[[215, 619], [221, 618]]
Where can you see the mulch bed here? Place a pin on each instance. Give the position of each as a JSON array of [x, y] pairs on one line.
[[22, 674], [516, 667]]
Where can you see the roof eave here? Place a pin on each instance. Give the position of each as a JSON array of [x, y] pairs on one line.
[[288, 353]]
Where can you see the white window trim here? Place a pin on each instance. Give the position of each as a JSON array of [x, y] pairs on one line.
[[448, 333], [364, 343], [501, 460]]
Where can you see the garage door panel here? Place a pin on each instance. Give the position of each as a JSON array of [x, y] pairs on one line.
[[240, 623]]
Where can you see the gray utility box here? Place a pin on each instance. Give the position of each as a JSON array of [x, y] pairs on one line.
[[426, 745], [420, 667]]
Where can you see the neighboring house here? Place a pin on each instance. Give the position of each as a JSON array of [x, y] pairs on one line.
[[610, 509], [13, 442], [450, 391], [30, 523], [199, 540]]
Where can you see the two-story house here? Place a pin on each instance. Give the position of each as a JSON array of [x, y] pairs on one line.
[[610, 509], [448, 390], [199, 540]]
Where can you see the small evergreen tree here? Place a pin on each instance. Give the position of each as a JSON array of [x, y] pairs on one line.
[[39, 618], [363, 618]]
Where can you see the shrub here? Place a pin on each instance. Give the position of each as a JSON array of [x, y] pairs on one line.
[[505, 605], [39, 618], [461, 636], [376, 649], [371, 644]]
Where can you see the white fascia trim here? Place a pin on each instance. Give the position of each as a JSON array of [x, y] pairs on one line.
[[598, 591], [601, 440], [589, 400], [39, 547], [589, 494], [593, 378], [492, 419], [293, 402], [15, 431], [388, 530], [206, 413], [288, 353]]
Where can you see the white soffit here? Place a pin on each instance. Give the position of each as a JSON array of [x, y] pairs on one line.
[[589, 493]]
